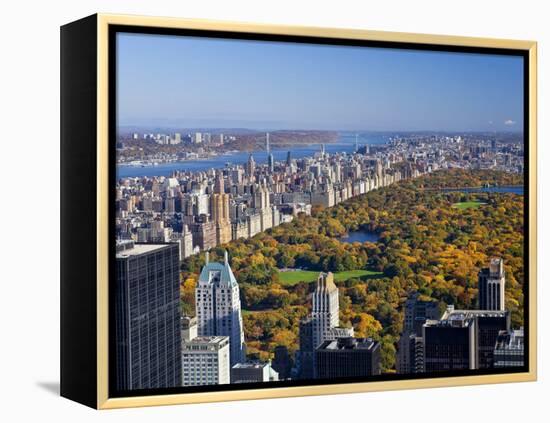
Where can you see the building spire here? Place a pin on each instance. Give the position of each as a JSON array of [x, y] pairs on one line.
[[207, 259], [225, 258]]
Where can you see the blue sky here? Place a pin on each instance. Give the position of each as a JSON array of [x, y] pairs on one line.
[[198, 82]]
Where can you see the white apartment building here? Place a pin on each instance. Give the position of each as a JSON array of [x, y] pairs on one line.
[[205, 361]]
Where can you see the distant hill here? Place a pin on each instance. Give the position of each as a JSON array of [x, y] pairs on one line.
[[257, 141]]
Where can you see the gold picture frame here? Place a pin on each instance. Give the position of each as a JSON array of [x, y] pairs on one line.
[[102, 400]]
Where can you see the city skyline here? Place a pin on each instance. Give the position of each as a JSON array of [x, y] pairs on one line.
[[354, 221], [175, 81], [320, 254]]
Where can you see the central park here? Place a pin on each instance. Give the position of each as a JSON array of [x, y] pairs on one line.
[[430, 240]]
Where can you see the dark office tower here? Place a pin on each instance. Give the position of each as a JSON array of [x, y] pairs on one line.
[[491, 284], [282, 362], [147, 316], [462, 339], [306, 349], [489, 325], [347, 357], [449, 345], [288, 159], [416, 312]]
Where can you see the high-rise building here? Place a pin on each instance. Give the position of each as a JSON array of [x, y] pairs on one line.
[[253, 373], [509, 349], [205, 361], [491, 286], [347, 357], [270, 163], [282, 362], [325, 308], [218, 307], [270, 160], [416, 313], [321, 325], [184, 240], [462, 339], [250, 166], [489, 324], [449, 345], [219, 210], [147, 316], [307, 350], [219, 207], [219, 184], [204, 234]]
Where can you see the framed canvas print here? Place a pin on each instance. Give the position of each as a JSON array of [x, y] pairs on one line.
[[254, 211]]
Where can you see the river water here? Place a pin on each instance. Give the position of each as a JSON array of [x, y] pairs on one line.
[[345, 143]]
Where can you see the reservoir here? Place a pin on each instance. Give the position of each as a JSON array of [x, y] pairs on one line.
[[359, 236]]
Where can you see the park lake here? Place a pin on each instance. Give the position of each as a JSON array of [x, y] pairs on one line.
[[359, 236]]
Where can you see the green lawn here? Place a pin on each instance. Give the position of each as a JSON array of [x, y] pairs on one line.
[[293, 277], [468, 205]]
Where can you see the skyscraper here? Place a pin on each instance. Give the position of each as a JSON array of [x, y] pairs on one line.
[[325, 308], [218, 307], [462, 339], [270, 160], [491, 286], [219, 211], [417, 312], [147, 316], [307, 349], [449, 344], [250, 166], [219, 185]]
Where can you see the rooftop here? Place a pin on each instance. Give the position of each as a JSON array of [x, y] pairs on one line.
[[250, 365], [138, 249], [513, 340], [463, 318], [207, 340], [213, 272], [348, 343]]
